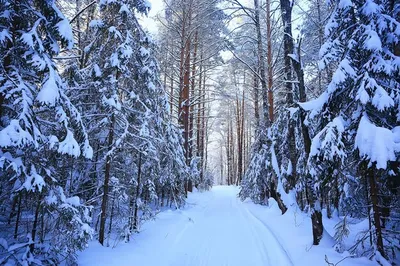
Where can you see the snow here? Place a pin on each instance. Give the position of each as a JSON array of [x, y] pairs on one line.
[[315, 105], [292, 111], [370, 7], [4, 34], [124, 9], [49, 93], [51, 198], [376, 143], [115, 60], [115, 31], [147, 4], [69, 145], [329, 140], [289, 169], [87, 150], [65, 30], [112, 102], [34, 181], [14, 135], [362, 94], [53, 140], [144, 52], [216, 229], [74, 201], [381, 99], [345, 3], [343, 72], [373, 42], [96, 23], [97, 70]]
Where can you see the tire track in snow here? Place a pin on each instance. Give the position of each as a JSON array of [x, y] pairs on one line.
[[267, 229], [259, 242]]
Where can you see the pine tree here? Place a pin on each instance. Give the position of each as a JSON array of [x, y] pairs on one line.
[[118, 86], [357, 116], [40, 127]]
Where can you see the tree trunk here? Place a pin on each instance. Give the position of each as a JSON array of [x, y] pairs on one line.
[[286, 10], [277, 197], [198, 122], [111, 220], [184, 99], [228, 156], [375, 209], [203, 123], [192, 106], [171, 81], [320, 39], [205, 141], [261, 63], [135, 215], [18, 216], [317, 227], [104, 202], [35, 223], [238, 135], [269, 64], [256, 108]]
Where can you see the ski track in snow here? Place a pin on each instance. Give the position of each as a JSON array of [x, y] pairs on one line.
[[216, 229], [224, 232]]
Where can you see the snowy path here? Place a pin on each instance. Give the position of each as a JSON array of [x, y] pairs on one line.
[[224, 232], [217, 229]]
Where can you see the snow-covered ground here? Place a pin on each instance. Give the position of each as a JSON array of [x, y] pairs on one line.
[[217, 229]]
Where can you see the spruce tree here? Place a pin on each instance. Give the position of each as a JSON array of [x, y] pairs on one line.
[[39, 128], [357, 116]]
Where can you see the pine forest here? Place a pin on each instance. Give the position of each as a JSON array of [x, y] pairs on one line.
[[200, 132]]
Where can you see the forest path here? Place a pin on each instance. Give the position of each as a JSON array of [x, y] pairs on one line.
[[216, 228], [224, 232]]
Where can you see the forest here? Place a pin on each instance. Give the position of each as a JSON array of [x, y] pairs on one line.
[[105, 126]]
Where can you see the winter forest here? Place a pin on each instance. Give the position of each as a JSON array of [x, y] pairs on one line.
[[200, 132]]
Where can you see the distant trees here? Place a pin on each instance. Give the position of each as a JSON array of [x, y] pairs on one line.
[[191, 34]]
